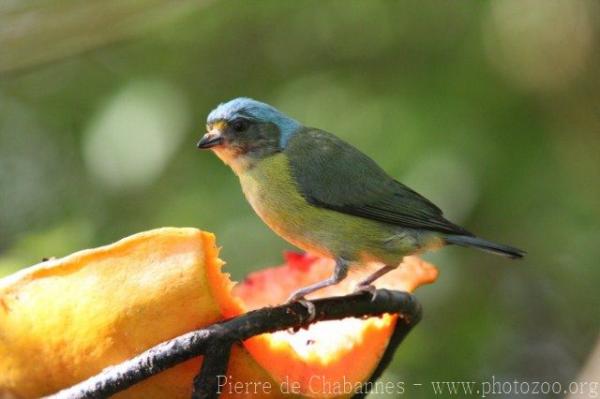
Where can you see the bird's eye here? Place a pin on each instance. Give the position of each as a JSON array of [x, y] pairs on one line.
[[240, 125]]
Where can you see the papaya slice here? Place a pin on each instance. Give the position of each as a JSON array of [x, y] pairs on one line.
[[329, 358], [64, 320]]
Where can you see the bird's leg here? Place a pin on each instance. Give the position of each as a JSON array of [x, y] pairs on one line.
[[339, 273], [366, 284]]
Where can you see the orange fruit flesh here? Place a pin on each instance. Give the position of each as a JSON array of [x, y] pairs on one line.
[[65, 320], [321, 358]]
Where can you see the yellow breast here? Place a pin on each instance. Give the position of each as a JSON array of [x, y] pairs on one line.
[[274, 196]]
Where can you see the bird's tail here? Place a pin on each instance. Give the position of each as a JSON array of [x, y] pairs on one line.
[[485, 245]]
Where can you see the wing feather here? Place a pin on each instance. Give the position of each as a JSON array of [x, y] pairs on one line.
[[332, 174]]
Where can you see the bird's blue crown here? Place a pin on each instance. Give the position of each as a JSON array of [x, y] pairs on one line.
[[243, 107]]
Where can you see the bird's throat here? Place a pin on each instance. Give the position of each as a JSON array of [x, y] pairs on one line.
[[239, 163]]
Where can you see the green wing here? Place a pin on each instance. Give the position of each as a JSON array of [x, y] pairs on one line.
[[332, 174]]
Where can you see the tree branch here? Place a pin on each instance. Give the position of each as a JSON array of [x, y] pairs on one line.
[[216, 359], [216, 340]]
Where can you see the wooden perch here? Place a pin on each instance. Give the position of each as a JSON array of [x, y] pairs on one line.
[[215, 341]]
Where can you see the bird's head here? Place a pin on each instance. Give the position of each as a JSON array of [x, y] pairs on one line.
[[244, 131]]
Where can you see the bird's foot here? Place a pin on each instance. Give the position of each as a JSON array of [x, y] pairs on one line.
[[368, 288], [308, 305]]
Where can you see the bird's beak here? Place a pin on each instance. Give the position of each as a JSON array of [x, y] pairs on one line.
[[210, 139]]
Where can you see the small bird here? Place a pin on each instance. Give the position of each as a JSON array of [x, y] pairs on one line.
[[324, 196]]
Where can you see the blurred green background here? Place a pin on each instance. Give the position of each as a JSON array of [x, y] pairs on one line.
[[490, 109]]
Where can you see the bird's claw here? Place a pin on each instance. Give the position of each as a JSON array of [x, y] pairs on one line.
[[370, 289], [310, 307]]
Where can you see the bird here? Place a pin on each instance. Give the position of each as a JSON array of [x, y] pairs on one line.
[[325, 196]]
